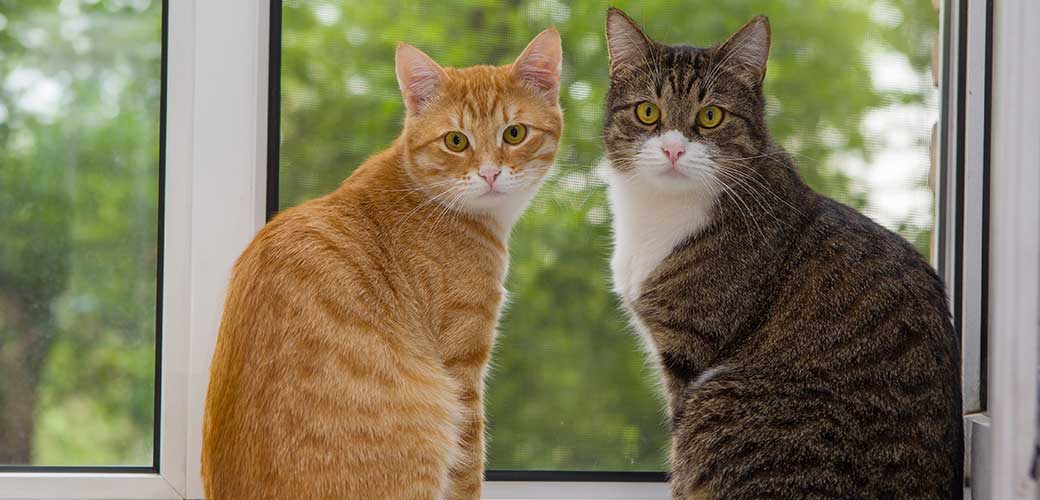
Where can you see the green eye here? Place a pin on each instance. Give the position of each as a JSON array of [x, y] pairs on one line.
[[648, 112], [710, 116], [456, 141], [514, 134]]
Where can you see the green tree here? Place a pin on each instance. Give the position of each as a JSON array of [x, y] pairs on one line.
[[79, 123]]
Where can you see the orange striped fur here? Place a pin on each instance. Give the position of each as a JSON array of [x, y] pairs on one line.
[[358, 326]]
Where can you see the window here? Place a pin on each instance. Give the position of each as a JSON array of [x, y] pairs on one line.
[[851, 97], [80, 233], [103, 216]]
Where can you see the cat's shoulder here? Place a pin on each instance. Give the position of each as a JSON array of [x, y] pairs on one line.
[[842, 224], [306, 232], [863, 249]]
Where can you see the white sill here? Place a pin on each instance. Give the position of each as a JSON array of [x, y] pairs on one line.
[[67, 486], [574, 490]]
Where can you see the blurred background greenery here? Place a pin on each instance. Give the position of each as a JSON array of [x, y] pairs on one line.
[[848, 92], [79, 166]]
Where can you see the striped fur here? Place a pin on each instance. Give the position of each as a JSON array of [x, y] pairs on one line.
[[358, 326], [806, 352]]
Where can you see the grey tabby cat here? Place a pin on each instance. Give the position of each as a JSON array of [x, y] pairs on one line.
[[806, 351]]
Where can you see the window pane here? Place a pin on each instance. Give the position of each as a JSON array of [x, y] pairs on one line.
[[79, 191], [849, 95]]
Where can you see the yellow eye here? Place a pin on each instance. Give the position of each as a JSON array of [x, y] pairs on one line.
[[515, 134], [648, 112], [456, 141], [710, 116]]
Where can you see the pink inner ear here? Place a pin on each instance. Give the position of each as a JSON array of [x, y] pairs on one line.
[[419, 77], [540, 72], [749, 46], [539, 65], [627, 44], [421, 87]]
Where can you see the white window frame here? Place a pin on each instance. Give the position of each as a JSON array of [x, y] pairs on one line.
[[1014, 276], [215, 201]]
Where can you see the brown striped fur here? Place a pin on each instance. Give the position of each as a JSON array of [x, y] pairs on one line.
[[358, 326], [806, 352]]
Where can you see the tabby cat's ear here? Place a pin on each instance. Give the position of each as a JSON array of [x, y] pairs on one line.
[[626, 42], [539, 65], [748, 48], [418, 76]]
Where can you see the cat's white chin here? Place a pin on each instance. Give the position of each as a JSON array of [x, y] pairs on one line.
[[693, 172], [504, 205]]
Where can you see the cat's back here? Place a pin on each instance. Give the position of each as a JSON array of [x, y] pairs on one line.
[[850, 386], [847, 271], [316, 321], [340, 225]]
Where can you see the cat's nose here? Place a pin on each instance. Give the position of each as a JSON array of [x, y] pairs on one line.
[[673, 152], [489, 174]]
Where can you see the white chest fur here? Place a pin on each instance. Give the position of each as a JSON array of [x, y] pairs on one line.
[[648, 224]]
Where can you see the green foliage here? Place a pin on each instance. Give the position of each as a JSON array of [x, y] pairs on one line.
[[79, 162]]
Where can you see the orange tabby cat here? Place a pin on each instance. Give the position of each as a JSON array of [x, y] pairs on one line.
[[358, 326]]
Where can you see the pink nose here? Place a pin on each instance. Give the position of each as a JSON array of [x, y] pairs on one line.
[[673, 152], [490, 174]]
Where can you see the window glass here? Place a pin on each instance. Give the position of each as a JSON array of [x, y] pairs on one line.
[[849, 94], [79, 194]]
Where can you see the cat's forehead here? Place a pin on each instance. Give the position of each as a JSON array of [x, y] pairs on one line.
[[680, 73], [481, 92], [672, 70], [683, 58], [478, 80]]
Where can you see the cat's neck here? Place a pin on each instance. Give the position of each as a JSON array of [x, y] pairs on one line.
[[648, 225]]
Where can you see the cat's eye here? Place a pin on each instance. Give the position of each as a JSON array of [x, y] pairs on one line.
[[710, 116], [648, 112], [456, 141], [515, 134]]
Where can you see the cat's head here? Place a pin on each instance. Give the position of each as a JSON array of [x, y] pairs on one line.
[[482, 139], [676, 116]]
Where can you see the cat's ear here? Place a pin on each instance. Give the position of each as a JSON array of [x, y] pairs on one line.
[[539, 65], [418, 76], [626, 42], [748, 48]]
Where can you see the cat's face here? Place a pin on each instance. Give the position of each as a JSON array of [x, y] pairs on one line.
[[482, 139], [677, 115]]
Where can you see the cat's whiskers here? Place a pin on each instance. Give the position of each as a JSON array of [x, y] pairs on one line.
[[442, 212], [757, 197], [416, 188], [714, 185], [773, 155], [589, 191], [427, 202], [763, 189], [746, 172], [744, 182], [743, 207]]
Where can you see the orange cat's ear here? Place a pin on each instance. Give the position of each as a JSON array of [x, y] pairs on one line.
[[418, 76], [539, 65]]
